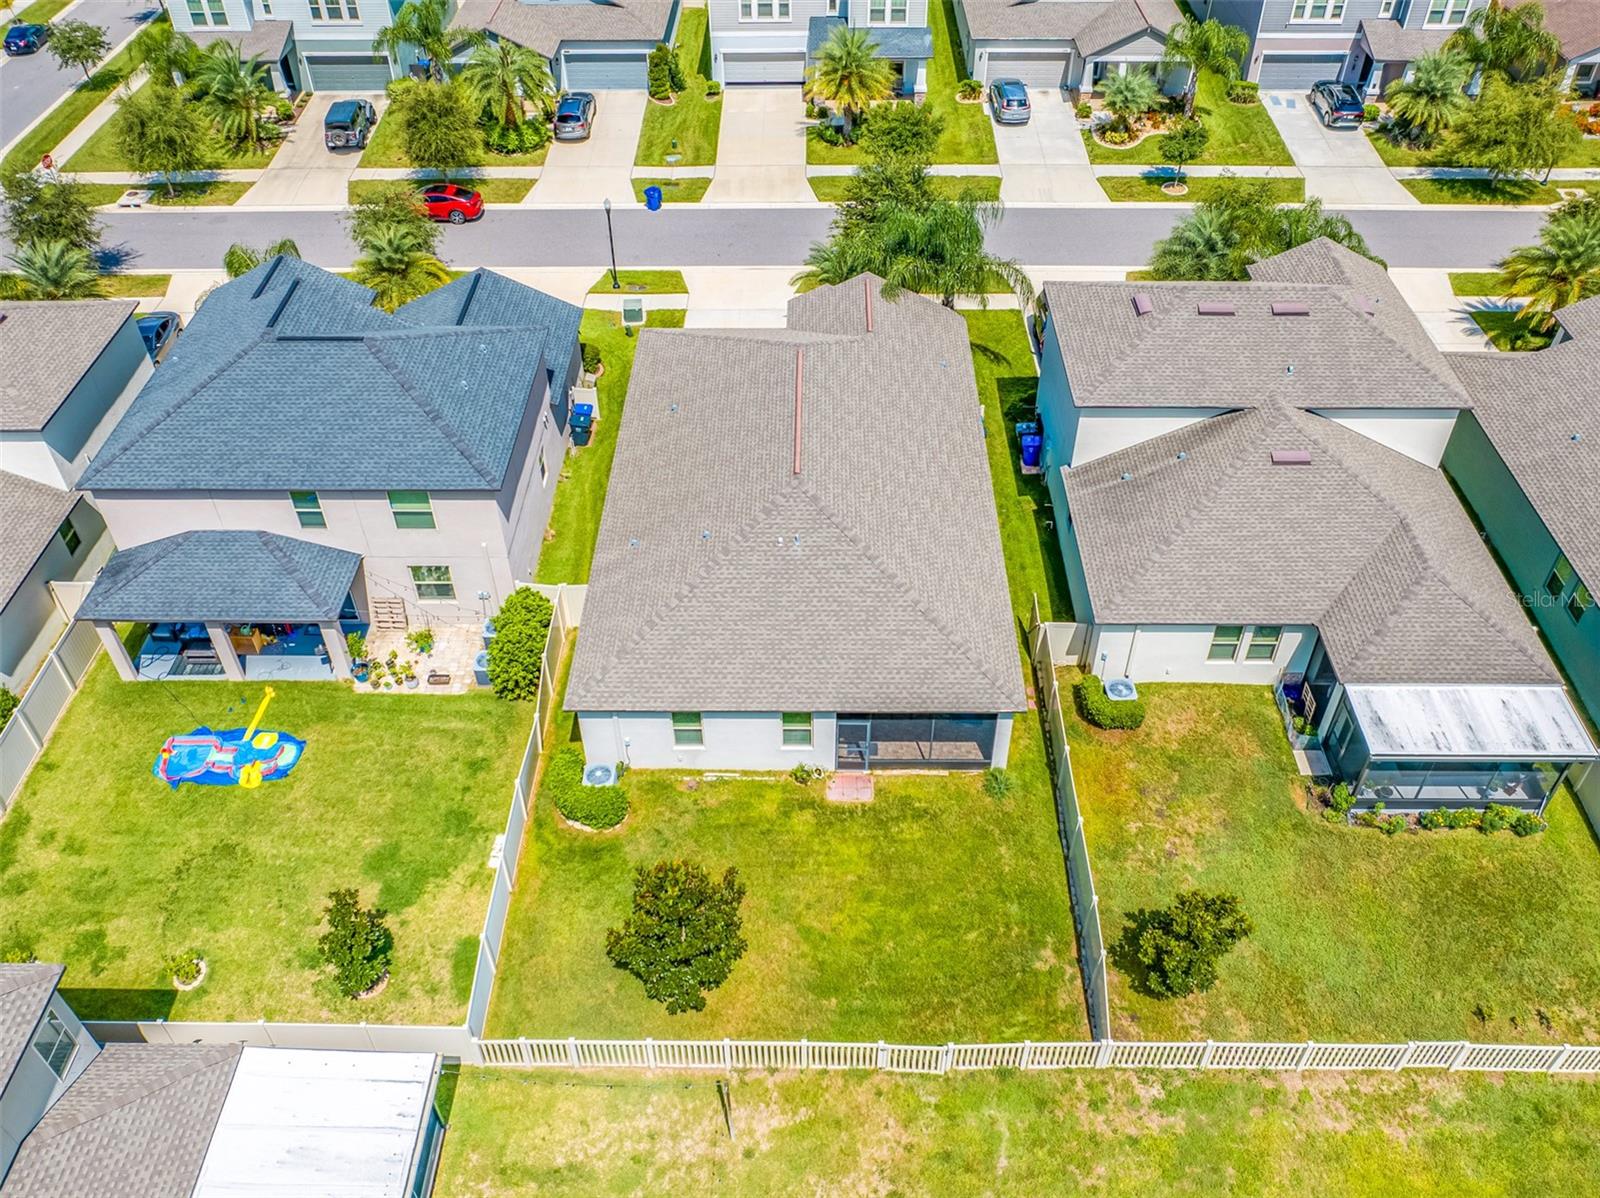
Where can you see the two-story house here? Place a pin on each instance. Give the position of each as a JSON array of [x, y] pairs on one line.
[[1070, 44], [774, 41], [303, 458], [307, 45], [1246, 488], [68, 371]]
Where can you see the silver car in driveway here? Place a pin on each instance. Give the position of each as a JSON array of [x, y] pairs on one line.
[[574, 119], [1008, 100]]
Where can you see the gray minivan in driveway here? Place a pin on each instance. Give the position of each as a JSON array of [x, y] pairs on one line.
[[1008, 100]]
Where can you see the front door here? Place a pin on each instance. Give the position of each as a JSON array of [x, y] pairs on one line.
[[854, 745]]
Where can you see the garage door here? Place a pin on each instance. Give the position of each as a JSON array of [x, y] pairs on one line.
[[764, 68], [602, 72], [1042, 68], [347, 72], [1280, 72]]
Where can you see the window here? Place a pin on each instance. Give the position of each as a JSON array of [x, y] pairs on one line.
[[412, 509], [197, 13], [266, 8], [1317, 10], [334, 10], [686, 730], [1225, 642], [1580, 602], [219, 14], [833, 8], [544, 471], [763, 10], [1264, 640], [55, 1044], [1561, 576], [69, 535], [308, 508], [433, 582], [797, 729], [1447, 12], [1386, 9]]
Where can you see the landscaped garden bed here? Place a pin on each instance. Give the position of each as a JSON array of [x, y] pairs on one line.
[[1241, 135], [105, 869]]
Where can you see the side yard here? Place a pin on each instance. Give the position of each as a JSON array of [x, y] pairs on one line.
[[689, 126]]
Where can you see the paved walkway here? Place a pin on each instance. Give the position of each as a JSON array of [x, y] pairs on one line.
[[304, 171], [586, 172], [1340, 165], [1045, 161], [761, 150], [1447, 316]]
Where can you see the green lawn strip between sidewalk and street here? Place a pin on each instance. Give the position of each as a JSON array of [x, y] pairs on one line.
[[831, 189], [688, 190], [1147, 188], [493, 189], [1481, 191], [642, 282], [42, 12], [190, 195], [111, 286]]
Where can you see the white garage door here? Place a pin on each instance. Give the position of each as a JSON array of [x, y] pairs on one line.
[[1036, 68], [745, 67], [348, 72], [1297, 72]]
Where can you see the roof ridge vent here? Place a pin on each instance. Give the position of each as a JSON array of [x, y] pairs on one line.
[[1291, 457], [1142, 303], [866, 288], [799, 388], [1214, 309], [1290, 308]]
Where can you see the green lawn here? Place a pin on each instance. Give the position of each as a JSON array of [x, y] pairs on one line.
[[1017, 1135], [103, 868], [1147, 188], [385, 148], [111, 286], [690, 125], [643, 282], [674, 191], [1507, 332], [1476, 284], [581, 492], [1241, 135], [1586, 154], [1358, 936], [189, 195], [968, 135], [101, 153], [831, 189], [493, 190], [1480, 191]]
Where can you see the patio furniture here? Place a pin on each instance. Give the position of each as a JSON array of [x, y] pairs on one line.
[[438, 678]]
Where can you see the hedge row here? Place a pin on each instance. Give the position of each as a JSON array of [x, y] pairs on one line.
[[591, 806]]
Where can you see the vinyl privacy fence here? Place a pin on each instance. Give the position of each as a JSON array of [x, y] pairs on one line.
[[23, 738]]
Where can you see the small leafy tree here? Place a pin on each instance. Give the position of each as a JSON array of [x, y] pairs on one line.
[[659, 76], [40, 210], [167, 53], [438, 127], [393, 204], [77, 44], [684, 935], [358, 943], [1181, 945], [516, 654], [1516, 129], [1183, 143], [241, 259], [902, 130], [159, 136], [876, 187], [1129, 96], [1427, 103], [849, 75], [54, 270]]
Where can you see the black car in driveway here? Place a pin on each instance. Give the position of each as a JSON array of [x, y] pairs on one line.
[[1337, 103], [26, 39]]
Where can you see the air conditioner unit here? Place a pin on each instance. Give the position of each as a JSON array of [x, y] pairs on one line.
[[600, 775]]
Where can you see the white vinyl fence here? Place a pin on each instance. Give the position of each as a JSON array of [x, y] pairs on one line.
[[1069, 820], [23, 738]]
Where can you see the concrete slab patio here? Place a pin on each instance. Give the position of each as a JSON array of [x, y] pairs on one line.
[[1340, 165], [304, 171], [761, 153], [601, 168], [1045, 161]]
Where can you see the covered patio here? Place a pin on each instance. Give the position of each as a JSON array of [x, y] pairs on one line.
[[233, 604]]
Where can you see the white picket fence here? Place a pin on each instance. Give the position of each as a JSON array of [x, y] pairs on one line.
[[24, 736]]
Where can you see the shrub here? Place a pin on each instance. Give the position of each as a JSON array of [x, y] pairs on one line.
[[1181, 945], [1371, 113], [1526, 823], [1084, 110], [1444, 817], [1341, 799], [357, 944], [684, 935], [713, 88], [1242, 91], [969, 89], [1497, 817], [185, 966], [516, 654], [591, 357], [1434, 819], [996, 784], [421, 641], [596, 807], [660, 73], [1389, 825], [1116, 137], [527, 138], [829, 134], [902, 130], [805, 774], [8, 704], [16, 947], [1089, 695]]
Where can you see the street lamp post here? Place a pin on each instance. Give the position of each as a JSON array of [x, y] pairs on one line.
[[611, 237]]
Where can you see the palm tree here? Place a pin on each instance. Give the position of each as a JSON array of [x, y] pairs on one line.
[[1426, 102], [849, 75], [167, 53], [1129, 95], [1211, 46], [939, 250], [235, 90], [398, 267], [1512, 41], [848, 253], [425, 24], [1561, 269], [241, 259], [500, 76], [1204, 246], [55, 270]]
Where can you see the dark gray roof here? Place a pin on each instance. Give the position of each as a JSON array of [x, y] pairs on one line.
[[136, 1122], [871, 579], [45, 348], [892, 41], [1370, 546], [1576, 23], [223, 574], [544, 26], [1359, 346], [1532, 406], [33, 512], [25, 992], [289, 378], [1091, 27], [265, 40], [1390, 41]]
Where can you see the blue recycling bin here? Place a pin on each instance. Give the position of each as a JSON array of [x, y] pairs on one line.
[[652, 198], [581, 422], [1026, 428], [1032, 445]]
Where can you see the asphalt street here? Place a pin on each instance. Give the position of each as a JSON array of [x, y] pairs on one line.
[[702, 236]]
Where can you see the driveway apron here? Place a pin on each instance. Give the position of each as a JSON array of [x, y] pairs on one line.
[[601, 168], [761, 151], [1340, 165], [1045, 161]]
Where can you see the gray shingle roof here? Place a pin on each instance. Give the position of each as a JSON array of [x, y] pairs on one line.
[[33, 512], [45, 348], [870, 580], [899, 41], [1367, 544], [223, 574], [1532, 405], [1576, 23], [136, 1122], [25, 991], [265, 40], [1090, 27], [289, 378], [1391, 41], [544, 26], [1358, 347]]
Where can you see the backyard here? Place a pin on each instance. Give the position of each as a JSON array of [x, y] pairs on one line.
[[689, 126], [1358, 936], [105, 869], [1241, 135]]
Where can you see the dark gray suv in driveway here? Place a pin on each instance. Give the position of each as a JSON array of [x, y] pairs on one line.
[[348, 124]]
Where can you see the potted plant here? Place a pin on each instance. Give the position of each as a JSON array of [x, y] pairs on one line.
[[421, 641], [375, 675], [409, 673], [355, 644]]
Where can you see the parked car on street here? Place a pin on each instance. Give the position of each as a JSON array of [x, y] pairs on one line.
[[1337, 103], [160, 332], [349, 124], [446, 201], [1008, 100], [575, 116], [26, 39]]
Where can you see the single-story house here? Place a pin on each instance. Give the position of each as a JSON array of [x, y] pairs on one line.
[[1526, 459], [591, 46], [1070, 44], [799, 560], [43, 1050], [1246, 487], [317, 431]]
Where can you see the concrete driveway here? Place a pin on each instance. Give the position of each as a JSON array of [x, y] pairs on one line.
[[601, 168], [761, 151], [1045, 161], [304, 172], [1340, 165]]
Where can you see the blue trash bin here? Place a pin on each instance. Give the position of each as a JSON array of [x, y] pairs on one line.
[[652, 198], [1032, 443]]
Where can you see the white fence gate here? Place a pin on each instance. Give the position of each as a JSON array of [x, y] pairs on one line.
[[24, 736]]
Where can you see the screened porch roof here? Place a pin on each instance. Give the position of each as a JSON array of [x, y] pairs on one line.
[[1477, 723]]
